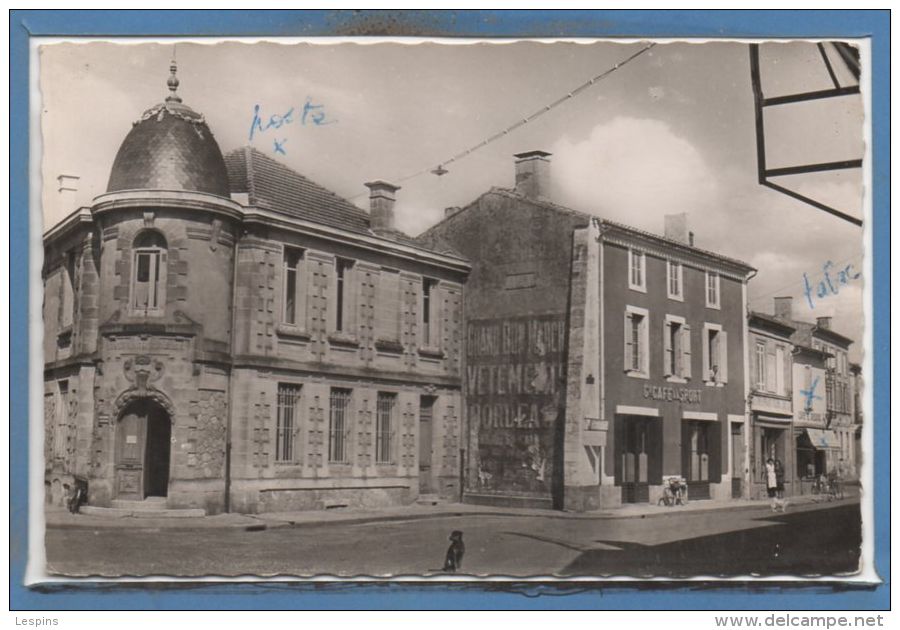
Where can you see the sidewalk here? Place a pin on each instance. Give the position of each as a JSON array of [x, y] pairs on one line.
[[58, 518]]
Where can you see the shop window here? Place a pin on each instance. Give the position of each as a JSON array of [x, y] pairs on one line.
[[384, 428], [698, 451], [339, 425], [148, 281], [636, 276], [287, 422]]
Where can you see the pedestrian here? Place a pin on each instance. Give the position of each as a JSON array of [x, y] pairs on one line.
[[771, 482], [779, 484]]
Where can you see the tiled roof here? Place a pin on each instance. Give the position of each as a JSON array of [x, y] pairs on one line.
[[169, 148], [271, 184]]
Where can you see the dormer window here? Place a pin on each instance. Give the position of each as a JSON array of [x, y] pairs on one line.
[[148, 280]]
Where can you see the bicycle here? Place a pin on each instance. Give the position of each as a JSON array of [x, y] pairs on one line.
[[674, 492]]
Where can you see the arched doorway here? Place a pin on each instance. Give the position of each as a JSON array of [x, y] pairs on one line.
[[143, 444]]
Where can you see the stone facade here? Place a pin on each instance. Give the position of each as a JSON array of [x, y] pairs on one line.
[[560, 410], [231, 356]]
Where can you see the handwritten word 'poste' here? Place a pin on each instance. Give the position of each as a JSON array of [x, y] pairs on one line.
[[310, 114]]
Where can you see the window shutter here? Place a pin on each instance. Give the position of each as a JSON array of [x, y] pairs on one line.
[[667, 344], [723, 356], [705, 347], [628, 346], [686, 351]]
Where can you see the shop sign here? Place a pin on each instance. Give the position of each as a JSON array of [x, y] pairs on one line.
[[672, 394]]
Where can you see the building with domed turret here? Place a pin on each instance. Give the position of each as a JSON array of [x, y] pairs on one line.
[[222, 333]]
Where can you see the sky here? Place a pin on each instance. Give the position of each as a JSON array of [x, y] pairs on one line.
[[671, 131]]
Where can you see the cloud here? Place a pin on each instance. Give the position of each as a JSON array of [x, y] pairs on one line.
[[633, 170]]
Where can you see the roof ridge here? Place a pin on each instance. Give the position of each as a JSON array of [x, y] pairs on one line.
[[257, 154]]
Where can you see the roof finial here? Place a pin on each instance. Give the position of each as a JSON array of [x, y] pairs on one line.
[[173, 81]]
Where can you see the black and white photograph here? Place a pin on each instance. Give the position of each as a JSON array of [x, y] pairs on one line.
[[454, 309]]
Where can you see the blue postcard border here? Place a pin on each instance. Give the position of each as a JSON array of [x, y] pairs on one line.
[[874, 24]]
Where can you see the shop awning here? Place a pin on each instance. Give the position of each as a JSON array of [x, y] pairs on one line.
[[823, 439]]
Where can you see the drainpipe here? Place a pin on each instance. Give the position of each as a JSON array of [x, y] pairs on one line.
[[749, 438], [234, 266]]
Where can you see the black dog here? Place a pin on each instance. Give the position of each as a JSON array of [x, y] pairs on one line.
[[455, 552]]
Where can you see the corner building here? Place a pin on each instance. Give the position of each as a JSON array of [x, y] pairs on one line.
[[599, 359], [223, 333]]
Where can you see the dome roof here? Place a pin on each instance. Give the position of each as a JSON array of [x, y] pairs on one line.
[[170, 148]]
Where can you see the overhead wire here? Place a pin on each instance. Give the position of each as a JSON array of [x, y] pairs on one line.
[[440, 168]]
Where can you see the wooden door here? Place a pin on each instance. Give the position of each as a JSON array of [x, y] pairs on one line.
[[156, 458], [737, 460], [426, 414], [131, 437], [635, 461]]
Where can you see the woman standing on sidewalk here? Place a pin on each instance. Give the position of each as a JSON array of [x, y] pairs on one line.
[[779, 485], [772, 483]]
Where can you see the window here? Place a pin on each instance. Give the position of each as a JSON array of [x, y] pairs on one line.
[[677, 346], [429, 312], [698, 443], [339, 425], [149, 275], [61, 429], [387, 315], [294, 290], [760, 365], [287, 422], [715, 354], [712, 289], [384, 428], [636, 276], [675, 274], [636, 342], [343, 315], [780, 386], [68, 291]]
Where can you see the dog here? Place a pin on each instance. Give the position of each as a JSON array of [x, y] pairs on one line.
[[455, 552]]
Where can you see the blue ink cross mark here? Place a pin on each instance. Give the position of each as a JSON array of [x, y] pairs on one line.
[[279, 146], [810, 395]]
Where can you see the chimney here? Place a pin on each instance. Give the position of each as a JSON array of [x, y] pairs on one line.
[[676, 228], [381, 205], [784, 307], [823, 322], [691, 239], [533, 174]]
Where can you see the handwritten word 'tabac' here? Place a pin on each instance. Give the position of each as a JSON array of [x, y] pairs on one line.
[[830, 284]]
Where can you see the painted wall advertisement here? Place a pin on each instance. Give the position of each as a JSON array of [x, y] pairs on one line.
[[515, 382]]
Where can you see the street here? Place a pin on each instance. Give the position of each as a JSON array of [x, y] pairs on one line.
[[807, 540]]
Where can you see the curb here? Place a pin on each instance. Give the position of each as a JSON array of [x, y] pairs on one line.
[[264, 524]]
